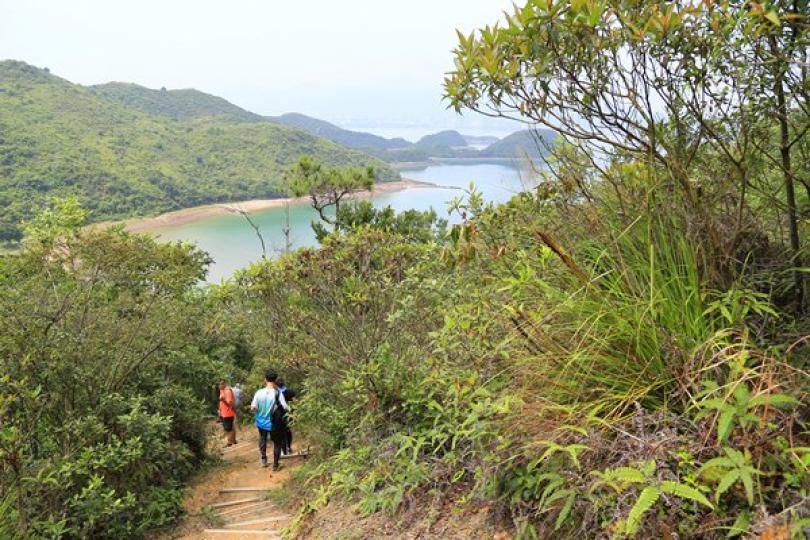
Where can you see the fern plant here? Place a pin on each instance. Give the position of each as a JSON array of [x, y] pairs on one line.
[[734, 467], [545, 488], [571, 450], [622, 478], [733, 307], [739, 408], [799, 459]]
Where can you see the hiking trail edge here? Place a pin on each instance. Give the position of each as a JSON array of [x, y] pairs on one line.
[[230, 501]]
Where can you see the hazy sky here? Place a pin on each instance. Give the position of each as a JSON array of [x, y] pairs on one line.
[[351, 61]]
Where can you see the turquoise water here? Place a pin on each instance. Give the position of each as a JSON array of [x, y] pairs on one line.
[[233, 244]]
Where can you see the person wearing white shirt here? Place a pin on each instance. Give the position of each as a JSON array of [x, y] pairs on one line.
[[265, 403]]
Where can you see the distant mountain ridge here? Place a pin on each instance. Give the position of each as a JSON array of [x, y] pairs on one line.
[[60, 139], [126, 150], [484, 140], [191, 103], [352, 139]]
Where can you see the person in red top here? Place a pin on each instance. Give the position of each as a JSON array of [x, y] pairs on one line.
[[227, 412]]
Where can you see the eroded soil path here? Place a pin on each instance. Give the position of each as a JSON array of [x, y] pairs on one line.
[[235, 500]]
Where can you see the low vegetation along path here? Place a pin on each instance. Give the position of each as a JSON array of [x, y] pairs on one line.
[[233, 501]]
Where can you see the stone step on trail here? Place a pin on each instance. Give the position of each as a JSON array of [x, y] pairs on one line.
[[245, 508], [243, 489], [236, 502], [270, 522], [296, 455], [238, 446], [240, 453], [249, 513], [236, 534]]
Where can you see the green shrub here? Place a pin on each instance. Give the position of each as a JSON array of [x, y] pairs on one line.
[[104, 384]]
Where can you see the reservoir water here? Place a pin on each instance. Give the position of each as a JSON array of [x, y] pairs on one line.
[[233, 244]]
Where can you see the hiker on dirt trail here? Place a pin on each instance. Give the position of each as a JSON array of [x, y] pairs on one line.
[[227, 412], [270, 406], [289, 395]]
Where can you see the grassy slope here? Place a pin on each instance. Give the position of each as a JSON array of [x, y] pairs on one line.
[[58, 139]]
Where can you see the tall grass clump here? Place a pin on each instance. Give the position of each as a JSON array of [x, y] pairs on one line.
[[625, 332]]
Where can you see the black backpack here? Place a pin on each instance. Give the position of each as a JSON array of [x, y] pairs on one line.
[[278, 414]]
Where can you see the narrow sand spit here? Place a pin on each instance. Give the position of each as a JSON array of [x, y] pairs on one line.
[[187, 215]]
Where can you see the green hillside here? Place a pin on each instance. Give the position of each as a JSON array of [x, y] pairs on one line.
[[59, 138], [191, 103], [186, 103]]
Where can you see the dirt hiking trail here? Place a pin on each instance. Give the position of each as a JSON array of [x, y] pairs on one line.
[[232, 501]]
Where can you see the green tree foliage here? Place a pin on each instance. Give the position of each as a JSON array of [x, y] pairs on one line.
[[525, 352], [419, 226], [107, 355], [59, 139], [327, 187], [661, 81]]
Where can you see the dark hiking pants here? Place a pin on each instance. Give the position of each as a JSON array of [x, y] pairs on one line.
[[287, 439], [277, 437]]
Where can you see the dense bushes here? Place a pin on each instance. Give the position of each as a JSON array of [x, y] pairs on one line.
[[621, 351], [106, 356], [580, 389]]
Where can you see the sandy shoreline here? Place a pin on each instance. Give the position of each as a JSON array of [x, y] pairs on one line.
[[186, 215]]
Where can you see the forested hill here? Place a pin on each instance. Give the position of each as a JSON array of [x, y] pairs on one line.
[[533, 143], [448, 138], [191, 103], [58, 138], [185, 103]]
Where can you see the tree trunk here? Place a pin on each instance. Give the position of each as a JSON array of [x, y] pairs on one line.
[[790, 190]]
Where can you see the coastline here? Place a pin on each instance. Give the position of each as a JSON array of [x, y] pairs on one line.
[[404, 165], [400, 165], [187, 215]]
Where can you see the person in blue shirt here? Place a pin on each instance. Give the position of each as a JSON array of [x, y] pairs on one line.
[[264, 404]]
